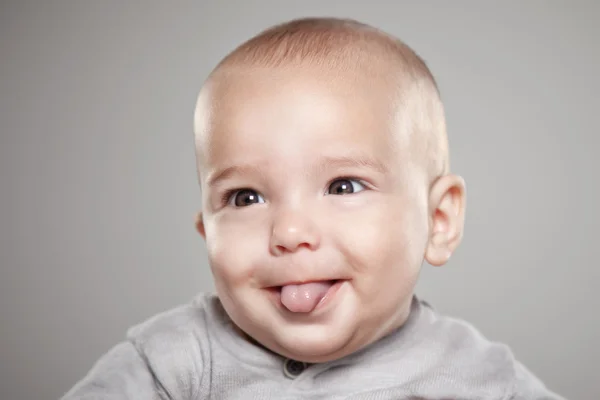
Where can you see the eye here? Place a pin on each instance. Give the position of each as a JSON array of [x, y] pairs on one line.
[[244, 197], [345, 186]]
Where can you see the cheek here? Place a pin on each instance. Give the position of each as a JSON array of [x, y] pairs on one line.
[[384, 240], [234, 247]]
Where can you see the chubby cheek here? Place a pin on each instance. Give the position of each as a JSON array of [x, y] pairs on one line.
[[384, 244], [234, 247]]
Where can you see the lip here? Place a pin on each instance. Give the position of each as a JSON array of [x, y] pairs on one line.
[[330, 295], [301, 282]]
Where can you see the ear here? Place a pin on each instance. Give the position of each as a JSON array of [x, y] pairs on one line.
[[447, 200], [200, 225]]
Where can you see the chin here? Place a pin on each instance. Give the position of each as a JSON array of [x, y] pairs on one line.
[[315, 344], [315, 351]]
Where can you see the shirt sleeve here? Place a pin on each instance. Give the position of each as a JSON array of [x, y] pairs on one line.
[[120, 374]]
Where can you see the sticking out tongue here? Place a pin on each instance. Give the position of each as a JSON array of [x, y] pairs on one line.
[[305, 297]]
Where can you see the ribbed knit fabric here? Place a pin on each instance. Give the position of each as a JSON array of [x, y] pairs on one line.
[[192, 353]]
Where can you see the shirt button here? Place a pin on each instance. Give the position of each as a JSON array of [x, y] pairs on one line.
[[293, 368]]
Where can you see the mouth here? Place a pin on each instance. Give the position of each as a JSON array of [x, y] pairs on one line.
[[305, 297]]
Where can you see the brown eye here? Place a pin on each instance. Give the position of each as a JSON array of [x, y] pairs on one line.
[[345, 186], [246, 197]]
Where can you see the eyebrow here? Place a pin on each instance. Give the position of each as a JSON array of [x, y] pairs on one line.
[[325, 163], [226, 173], [360, 161]]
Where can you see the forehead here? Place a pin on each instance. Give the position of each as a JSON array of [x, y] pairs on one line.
[[287, 111]]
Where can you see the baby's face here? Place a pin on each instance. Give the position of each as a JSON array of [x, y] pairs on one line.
[[315, 221]]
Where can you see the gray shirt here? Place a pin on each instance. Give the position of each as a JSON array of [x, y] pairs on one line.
[[192, 353]]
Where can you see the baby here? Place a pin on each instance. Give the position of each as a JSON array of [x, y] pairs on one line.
[[323, 162]]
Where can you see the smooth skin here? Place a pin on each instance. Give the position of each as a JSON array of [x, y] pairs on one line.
[[306, 177]]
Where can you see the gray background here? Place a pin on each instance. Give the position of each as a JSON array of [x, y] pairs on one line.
[[98, 183]]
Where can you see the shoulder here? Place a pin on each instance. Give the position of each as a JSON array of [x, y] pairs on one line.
[[174, 345], [179, 323], [463, 353], [461, 343]]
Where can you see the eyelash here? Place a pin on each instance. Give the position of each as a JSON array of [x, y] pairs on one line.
[[226, 197], [348, 178]]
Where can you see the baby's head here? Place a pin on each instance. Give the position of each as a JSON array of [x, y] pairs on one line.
[[322, 156]]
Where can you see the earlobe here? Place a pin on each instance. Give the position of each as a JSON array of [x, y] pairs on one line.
[[447, 210], [200, 225]]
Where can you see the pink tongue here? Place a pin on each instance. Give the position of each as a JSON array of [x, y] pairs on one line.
[[304, 298]]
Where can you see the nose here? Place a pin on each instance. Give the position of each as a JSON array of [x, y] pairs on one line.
[[293, 231]]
